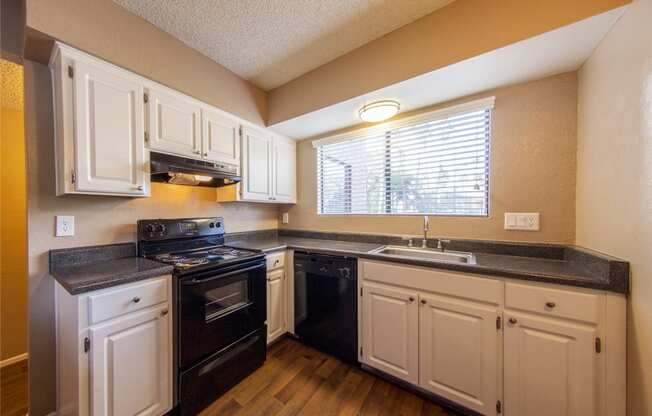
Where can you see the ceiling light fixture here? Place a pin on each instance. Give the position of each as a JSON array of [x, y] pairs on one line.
[[379, 111]]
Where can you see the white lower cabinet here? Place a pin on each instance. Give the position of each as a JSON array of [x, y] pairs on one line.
[[459, 347], [550, 367], [276, 325], [114, 350], [130, 364], [277, 296], [493, 345], [390, 331]]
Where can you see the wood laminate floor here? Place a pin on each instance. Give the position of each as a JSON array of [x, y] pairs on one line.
[[13, 389], [298, 380]]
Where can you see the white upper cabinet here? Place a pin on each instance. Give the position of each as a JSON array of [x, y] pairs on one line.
[[256, 165], [99, 131], [284, 162], [551, 367], [459, 346], [107, 119], [220, 137], [268, 169], [174, 123]]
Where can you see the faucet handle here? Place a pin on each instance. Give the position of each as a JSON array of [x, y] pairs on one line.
[[441, 242]]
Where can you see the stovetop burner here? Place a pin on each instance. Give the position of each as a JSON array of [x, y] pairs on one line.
[[216, 255]]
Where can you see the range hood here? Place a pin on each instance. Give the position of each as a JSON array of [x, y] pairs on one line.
[[184, 171]]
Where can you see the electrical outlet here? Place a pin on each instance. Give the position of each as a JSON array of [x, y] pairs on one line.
[[526, 221], [65, 225], [286, 217]]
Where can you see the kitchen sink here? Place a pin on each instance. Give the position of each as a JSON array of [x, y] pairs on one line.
[[426, 254]]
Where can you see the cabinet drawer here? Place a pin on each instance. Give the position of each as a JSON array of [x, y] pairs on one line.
[[117, 302], [275, 260], [553, 302], [436, 281]]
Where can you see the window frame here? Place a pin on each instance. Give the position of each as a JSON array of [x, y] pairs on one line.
[[386, 128]]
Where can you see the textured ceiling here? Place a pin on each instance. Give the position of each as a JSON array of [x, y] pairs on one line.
[[274, 41], [11, 85]]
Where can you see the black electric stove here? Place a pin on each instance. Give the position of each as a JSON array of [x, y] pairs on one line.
[[220, 301]]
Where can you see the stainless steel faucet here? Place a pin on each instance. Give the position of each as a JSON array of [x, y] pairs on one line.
[[426, 227]]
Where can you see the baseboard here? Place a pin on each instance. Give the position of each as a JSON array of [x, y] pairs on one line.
[[13, 360]]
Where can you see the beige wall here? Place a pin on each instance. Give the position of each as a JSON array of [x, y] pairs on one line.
[[532, 170], [13, 221], [104, 29], [432, 42], [98, 220], [614, 178]]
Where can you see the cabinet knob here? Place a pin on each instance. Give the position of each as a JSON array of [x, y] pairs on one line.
[[140, 187], [164, 312], [423, 301], [550, 305], [197, 152], [411, 299], [513, 321], [205, 154], [136, 299]]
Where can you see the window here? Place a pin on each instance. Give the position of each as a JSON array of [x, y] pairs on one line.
[[436, 163]]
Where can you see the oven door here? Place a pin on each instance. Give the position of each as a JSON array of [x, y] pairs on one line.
[[217, 308]]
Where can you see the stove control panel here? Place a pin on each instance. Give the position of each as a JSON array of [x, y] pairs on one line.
[[169, 229]]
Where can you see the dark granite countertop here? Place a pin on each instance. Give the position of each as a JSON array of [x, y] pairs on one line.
[[564, 265], [270, 244], [85, 269]]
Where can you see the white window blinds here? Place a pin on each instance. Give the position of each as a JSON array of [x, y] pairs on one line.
[[435, 164]]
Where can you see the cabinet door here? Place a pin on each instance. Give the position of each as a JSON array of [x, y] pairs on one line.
[[109, 134], [390, 325], [220, 137], [131, 364], [256, 168], [459, 351], [173, 124], [284, 170], [550, 367], [275, 304]]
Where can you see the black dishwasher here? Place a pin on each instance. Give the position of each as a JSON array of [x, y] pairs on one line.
[[326, 304]]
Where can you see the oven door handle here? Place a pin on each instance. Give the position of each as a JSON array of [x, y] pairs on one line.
[[221, 276]]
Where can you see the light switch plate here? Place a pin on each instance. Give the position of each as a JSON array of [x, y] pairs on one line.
[[286, 217], [525, 221], [65, 225]]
